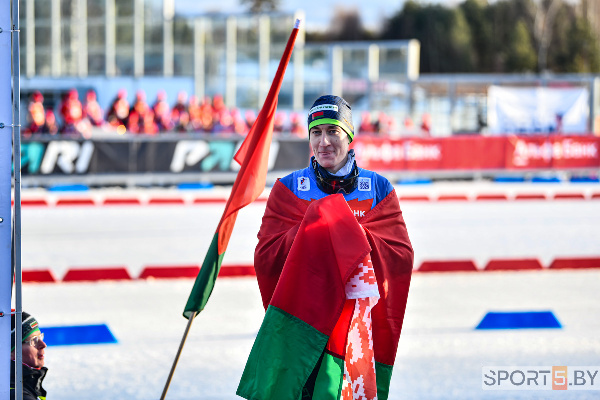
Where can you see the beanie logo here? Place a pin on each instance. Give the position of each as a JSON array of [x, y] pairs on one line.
[[318, 115], [323, 107], [34, 325], [303, 184]]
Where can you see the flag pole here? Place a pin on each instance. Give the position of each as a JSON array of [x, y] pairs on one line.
[[183, 339], [249, 183]]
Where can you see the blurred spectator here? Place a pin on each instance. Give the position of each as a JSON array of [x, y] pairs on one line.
[[119, 110], [218, 108], [206, 115], [50, 126], [149, 126], [180, 117], [162, 112], [92, 110], [297, 126], [366, 125], [35, 114], [224, 124], [195, 112], [133, 121], [250, 118], [279, 123], [140, 105], [71, 112], [239, 125]]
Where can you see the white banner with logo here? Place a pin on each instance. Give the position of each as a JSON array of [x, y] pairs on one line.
[[5, 195], [535, 110]]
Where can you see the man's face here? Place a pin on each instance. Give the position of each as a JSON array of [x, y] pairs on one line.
[[33, 354], [330, 145]]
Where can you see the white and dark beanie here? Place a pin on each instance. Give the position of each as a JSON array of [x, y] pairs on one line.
[[29, 326], [332, 110]]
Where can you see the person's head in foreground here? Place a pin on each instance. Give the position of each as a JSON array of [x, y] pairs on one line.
[[330, 132], [33, 341]]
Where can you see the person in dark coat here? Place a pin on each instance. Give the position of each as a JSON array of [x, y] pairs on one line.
[[34, 371]]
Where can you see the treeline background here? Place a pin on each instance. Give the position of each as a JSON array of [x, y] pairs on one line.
[[479, 36]]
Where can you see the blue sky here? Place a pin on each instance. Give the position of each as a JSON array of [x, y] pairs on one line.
[[318, 16]]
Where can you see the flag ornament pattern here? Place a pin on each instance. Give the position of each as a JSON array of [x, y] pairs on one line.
[[253, 157], [359, 379]]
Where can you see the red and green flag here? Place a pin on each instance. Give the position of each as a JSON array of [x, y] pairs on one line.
[[253, 157]]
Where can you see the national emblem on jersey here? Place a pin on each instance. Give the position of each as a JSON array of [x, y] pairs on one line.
[[303, 183], [364, 184]]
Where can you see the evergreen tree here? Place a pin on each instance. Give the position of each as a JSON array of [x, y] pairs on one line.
[[521, 54]]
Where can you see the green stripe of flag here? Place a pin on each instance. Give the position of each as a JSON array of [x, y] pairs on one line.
[[205, 281], [283, 356]]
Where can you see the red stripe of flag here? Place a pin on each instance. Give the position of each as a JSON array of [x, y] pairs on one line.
[[253, 157]]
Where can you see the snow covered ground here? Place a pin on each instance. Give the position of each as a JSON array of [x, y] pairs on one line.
[[440, 354]]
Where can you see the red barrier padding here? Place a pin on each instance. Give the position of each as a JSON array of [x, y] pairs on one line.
[[513, 264], [453, 197], [37, 275], [118, 201], [530, 196], [97, 274], [237, 270], [414, 198], [172, 200], [170, 271], [491, 197], [205, 200], [564, 263], [596, 196], [75, 202], [447, 266], [33, 202], [569, 196]]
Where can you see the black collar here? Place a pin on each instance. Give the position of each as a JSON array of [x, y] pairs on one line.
[[332, 184]]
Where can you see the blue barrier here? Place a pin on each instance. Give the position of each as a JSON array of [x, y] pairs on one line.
[[195, 185], [80, 334], [68, 188], [509, 179], [416, 181], [519, 320], [545, 179], [584, 179]]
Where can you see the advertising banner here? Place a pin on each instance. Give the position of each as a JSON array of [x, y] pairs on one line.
[[176, 155], [162, 155], [536, 110], [552, 152]]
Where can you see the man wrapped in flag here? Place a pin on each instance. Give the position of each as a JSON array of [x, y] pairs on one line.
[[333, 264]]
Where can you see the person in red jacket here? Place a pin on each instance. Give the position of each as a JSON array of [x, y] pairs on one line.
[[162, 112], [118, 111], [333, 264], [71, 112], [92, 110], [35, 114]]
